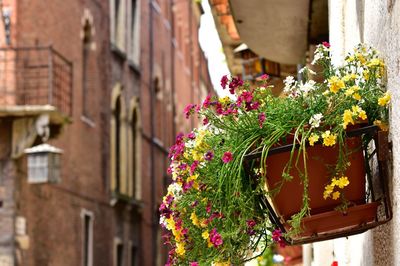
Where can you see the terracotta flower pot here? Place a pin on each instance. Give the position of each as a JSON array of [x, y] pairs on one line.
[[320, 160]]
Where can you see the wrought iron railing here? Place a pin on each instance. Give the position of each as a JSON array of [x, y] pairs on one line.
[[35, 76]]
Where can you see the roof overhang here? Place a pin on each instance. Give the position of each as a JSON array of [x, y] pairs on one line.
[[276, 30]]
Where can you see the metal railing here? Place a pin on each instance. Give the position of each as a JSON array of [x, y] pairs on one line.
[[35, 76]]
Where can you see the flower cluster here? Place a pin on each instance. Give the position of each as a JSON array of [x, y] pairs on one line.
[[211, 211]]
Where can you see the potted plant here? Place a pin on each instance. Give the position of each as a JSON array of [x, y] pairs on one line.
[[225, 170]]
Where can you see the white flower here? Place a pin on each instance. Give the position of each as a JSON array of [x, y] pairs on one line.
[[175, 189], [317, 56], [289, 83], [315, 120], [307, 87]]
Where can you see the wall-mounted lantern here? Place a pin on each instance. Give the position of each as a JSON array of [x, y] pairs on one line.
[[44, 164]]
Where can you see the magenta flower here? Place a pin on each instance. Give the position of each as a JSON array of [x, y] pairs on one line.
[[215, 238], [251, 223], [277, 237], [209, 156], [264, 76], [205, 121], [326, 44], [227, 157], [191, 135], [189, 110], [194, 263], [235, 82], [247, 96], [224, 81], [193, 167], [206, 102], [261, 119]]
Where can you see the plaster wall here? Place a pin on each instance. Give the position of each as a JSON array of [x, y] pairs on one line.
[[376, 23]]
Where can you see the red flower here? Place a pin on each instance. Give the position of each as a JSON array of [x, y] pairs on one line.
[[326, 44], [206, 102], [227, 157], [224, 81], [189, 109], [335, 263]]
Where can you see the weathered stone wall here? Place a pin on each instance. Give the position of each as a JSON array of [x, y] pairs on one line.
[[376, 23]]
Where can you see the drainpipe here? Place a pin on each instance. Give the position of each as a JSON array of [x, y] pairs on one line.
[[154, 223]]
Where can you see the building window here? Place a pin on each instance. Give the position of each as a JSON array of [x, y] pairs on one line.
[[134, 34], [117, 115], [119, 252], [86, 54], [134, 152], [87, 237], [133, 255], [118, 24]]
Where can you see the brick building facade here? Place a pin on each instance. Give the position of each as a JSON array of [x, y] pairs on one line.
[[110, 80]]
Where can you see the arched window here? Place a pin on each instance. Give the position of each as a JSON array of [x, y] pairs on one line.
[[117, 130], [86, 54], [134, 152]]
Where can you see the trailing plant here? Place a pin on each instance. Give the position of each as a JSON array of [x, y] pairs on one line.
[[213, 210]]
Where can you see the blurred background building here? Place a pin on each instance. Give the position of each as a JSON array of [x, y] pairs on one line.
[[103, 83]]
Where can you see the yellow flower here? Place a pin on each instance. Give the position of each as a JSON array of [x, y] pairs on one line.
[[375, 62], [347, 118], [343, 182], [385, 99], [360, 58], [195, 220], [362, 115], [313, 138], [170, 223], [205, 235], [356, 109], [335, 84], [349, 92], [180, 249], [350, 59], [224, 100], [382, 125], [203, 223], [328, 191], [335, 195], [329, 139], [366, 74], [357, 96]]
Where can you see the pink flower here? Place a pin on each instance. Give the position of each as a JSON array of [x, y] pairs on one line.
[[206, 102], [227, 157], [247, 96], [215, 238], [224, 81], [277, 237], [261, 119], [326, 44], [264, 76], [194, 263], [205, 121], [193, 167], [189, 110], [251, 223], [191, 135]]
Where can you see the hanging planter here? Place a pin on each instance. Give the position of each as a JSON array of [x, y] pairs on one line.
[[264, 171]]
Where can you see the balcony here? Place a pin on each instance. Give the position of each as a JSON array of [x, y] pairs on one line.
[[35, 78]]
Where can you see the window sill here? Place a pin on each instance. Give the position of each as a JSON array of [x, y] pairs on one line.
[[134, 67], [88, 121], [119, 198], [117, 51]]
